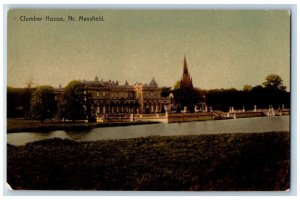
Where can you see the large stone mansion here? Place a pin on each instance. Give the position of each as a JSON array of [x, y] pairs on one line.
[[110, 97]]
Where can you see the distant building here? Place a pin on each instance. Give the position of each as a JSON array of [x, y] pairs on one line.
[[109, 97], [186, 79]]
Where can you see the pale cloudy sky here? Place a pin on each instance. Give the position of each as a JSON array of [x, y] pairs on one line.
[[224, 49]]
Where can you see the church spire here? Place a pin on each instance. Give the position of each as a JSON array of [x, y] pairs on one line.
[[186, 80], [185, 68]]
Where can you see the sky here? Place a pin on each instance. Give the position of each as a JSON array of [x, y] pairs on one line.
[[223, 48]]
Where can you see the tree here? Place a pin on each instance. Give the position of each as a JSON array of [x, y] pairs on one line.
[[43, 104], [247, 87], [188, 97], [73, 101], [274, 82], [16, 102], [165, 91], [176, 85]]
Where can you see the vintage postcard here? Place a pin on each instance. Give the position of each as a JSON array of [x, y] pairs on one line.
[[148, 99]]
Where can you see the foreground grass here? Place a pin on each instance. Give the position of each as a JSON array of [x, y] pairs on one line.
[[257, 161]]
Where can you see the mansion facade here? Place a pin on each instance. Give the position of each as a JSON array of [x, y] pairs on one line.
[[109, 97]]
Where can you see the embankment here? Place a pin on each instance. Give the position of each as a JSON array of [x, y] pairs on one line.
[[21, 125]]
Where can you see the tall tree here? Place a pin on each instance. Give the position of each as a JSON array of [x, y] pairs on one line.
[[274, 82], [43, 104], [74, 101]]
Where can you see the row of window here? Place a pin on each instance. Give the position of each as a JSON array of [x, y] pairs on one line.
[[124, 94], [149, 94], [115, 94], [152, 108]]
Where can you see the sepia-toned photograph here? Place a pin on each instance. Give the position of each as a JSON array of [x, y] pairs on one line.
[[148, 100]]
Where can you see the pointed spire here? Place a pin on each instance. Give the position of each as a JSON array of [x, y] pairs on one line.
[[186, 80], [185, 68]]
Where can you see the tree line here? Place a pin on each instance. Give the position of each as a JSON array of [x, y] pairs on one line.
[[271, 92], [42, 103]]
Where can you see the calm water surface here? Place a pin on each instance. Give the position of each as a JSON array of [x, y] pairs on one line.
[[243, 125]]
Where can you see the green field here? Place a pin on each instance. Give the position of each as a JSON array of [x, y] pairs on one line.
[[226, 162]]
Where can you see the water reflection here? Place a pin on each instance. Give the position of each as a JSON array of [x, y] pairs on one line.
[[245, 125], [78, 135]]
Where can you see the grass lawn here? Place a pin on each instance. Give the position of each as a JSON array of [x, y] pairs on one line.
[[226, 162], [21, 125]]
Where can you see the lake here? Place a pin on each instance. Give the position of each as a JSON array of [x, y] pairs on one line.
[[242, 125]]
